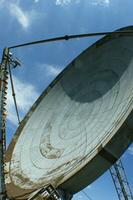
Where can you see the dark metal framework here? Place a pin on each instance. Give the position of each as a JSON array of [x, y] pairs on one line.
[[120, 181], [3, 93], [48, 192], [5, 69]]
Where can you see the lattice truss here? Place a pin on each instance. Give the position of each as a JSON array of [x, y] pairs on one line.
[[120, 181]]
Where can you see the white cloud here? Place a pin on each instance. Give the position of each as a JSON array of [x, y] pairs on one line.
[[50, 70], [62, 2], [21, 16], [24, 17], [92, 2], [53, 71], [130, 150], [25, 96], [101, 2], [65, 2]]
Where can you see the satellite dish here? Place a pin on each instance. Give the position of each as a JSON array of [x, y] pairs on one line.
[[80, 125]]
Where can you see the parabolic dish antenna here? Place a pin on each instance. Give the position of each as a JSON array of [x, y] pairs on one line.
[[80, 125]]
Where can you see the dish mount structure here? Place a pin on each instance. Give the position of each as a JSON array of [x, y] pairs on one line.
[[84, 118]]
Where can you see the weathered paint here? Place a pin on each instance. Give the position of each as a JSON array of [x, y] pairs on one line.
[[86, 109]]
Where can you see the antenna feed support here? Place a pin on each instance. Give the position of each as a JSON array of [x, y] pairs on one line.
[[14, 61]]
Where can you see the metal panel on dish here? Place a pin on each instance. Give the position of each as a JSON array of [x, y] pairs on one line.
[[81, 123]]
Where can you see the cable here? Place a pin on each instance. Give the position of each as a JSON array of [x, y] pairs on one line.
[[68, 37], [86, 195], [13, 94]]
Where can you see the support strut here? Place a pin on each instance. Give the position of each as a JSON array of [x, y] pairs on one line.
[[3, 93], [120, 181]]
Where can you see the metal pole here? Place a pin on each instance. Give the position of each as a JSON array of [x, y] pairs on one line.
[[3, 93], [70, 37]]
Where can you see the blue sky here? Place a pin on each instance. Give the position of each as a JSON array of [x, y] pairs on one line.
[[27, 20]]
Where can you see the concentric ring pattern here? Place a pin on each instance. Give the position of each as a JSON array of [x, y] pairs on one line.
[[75, 115]]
